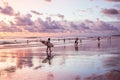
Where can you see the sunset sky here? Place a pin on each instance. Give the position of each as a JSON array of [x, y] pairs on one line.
[[59, 15]]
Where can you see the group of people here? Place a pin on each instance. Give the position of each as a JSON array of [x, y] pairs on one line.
[[48, 50]]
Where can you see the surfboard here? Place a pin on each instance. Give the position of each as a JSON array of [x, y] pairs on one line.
[[46, 43]]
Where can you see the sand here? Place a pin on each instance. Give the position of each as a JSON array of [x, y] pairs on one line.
[[91, 60]]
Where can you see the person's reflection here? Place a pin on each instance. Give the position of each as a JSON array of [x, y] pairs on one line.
[[24, 59], [76, 48], [48, 59], [29, 61], [64, 46], [50, 76], [99, 45]]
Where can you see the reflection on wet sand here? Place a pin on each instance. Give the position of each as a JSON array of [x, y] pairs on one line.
[[80, 64], [76, 48], [24, 59], [50, 76], [99, 45], [48, 59], [6, 72], [112, 75]]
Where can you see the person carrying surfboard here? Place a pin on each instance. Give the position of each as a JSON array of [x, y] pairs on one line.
[[49, 46]]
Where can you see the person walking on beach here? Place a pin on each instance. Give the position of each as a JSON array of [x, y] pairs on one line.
[[98, 42], [48, 50], [64, 40], [76, 44], [98, 39]]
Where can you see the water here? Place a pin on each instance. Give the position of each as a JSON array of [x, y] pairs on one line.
[[90, 59]]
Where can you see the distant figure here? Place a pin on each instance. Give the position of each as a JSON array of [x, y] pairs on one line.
[[76, 44], [64, 40], [58, 39], [15, 41], [48, 50], [27, 41], [64, 43], [99, 42], [98, 39]]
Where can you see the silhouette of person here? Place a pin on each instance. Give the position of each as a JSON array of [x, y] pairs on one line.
[[98, 42], [98, 39], [64, 40], [76, 44], [48, 50], [27, 41]]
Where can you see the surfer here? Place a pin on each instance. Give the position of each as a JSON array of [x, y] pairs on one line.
[[48, 50]]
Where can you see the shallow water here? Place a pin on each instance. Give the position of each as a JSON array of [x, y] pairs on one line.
[[66, 63]]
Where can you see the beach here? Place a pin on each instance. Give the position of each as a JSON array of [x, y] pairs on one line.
[[90, 60]]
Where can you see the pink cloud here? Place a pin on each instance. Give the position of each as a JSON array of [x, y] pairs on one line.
[[7, 10], [113, 0], [110, 11], [35, 12]]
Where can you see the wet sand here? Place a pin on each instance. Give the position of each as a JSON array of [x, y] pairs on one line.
[[89, 61]]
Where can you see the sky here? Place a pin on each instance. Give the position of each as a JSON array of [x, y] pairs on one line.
[[71, 9], [60, 16]]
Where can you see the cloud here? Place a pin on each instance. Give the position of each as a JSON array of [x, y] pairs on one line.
[[82, 10], [7, 10], [100, 25], [117, 6], [35, 12], [108, 0], [51, 26], [22, 23], [88, 10], [4, 27], [23, 20], [25, 23], [110, 11], [60, 16], [97, 26], [57, 15], [113, 0]]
